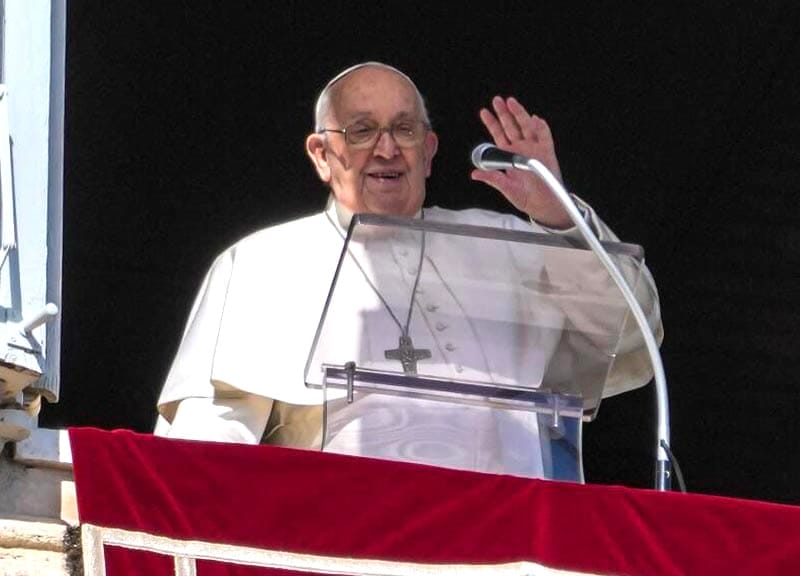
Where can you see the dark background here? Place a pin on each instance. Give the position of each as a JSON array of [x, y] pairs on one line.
[[678, 121]]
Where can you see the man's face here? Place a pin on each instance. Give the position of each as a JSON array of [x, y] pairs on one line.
[[384, 178]]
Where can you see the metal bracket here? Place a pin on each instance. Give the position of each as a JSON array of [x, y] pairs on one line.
[[350, 369]]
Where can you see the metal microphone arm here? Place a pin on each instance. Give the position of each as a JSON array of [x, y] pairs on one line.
[[663, 465]]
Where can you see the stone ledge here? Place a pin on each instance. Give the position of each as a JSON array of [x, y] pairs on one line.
[[23, 562], [45, 448], [39, 546], [38, 492], [32, 534], [36, 478]]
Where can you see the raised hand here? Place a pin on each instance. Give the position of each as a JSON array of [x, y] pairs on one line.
[[514, 130]]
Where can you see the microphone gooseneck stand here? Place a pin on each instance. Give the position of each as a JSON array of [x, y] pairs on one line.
[[489, 157]]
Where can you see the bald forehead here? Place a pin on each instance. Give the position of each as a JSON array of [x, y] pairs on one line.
[[362, 90], [374, 75], [323, 110]]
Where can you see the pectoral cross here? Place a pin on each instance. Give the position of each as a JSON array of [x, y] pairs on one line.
[[407, 354]]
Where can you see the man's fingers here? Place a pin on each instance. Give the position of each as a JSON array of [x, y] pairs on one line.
[[503, 184], [493, 178], [542, 130], [526, 122], [493, 126], [507, 120]]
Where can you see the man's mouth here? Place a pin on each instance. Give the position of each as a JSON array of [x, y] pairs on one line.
[[385, 175]]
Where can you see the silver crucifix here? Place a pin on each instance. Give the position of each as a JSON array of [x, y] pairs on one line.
[[407, 354]]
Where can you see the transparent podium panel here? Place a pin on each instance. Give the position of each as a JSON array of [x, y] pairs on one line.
[[447, 343], [452, 424]]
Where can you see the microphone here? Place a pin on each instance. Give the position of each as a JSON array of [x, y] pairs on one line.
[[490, 157]]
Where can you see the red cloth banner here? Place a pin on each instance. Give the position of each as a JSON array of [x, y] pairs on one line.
[[342, 506]]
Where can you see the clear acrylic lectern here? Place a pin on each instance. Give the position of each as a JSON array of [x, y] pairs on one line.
[[468, 347]]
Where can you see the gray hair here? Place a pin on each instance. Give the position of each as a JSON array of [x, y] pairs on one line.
[[323, 105]]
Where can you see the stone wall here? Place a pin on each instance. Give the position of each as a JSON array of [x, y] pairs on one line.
[[39, 532]]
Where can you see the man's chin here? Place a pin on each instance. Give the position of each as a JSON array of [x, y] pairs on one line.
[[388, 205]]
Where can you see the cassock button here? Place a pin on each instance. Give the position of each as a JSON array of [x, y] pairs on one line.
[[450, 346], [432, 307], [440, 326], [459, 368], [412, 271]]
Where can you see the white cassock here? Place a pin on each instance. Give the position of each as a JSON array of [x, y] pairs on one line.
[[254, 320]]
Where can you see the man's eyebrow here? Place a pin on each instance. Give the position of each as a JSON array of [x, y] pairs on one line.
[[405, 115], [357, 116]]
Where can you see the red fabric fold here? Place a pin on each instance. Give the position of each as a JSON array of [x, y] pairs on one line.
[[333, 505]]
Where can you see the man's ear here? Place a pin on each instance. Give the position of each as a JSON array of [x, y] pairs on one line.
[[315, 148], [430, 146]]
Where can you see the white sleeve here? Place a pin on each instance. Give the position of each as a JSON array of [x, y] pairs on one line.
[[631, 367], [240, 420], [190, 375]]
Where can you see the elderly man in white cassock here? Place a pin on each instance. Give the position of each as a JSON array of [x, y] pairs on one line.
[[238, 375]]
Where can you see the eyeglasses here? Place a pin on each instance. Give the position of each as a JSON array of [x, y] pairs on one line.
[[365, 134]]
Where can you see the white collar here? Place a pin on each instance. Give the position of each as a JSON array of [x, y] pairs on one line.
[[341, 216]]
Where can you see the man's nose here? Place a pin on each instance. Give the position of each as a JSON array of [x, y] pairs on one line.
[[386, 145]]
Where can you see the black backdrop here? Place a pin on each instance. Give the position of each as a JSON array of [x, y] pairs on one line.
[[678, 121]]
